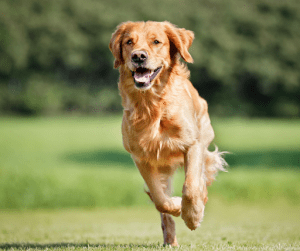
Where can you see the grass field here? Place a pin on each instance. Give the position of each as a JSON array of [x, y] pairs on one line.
[[80, 162], [225, 227], [67, 183]]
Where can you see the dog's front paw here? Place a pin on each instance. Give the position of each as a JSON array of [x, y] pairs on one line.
[[171, 206], [192, 210], [177, 206]]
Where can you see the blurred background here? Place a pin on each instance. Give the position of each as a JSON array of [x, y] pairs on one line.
[[60, 109]]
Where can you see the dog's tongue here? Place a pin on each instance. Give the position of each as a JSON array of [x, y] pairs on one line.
[[142, 75]]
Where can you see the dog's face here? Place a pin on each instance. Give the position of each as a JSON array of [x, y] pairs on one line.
[[148, 49]]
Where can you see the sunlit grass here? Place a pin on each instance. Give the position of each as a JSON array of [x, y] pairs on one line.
[[80, 162], [255, 135], [225, 226]]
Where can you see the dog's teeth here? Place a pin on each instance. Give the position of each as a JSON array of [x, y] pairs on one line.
[[143, 77]]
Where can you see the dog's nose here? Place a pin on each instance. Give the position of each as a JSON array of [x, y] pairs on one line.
[[139, 57]]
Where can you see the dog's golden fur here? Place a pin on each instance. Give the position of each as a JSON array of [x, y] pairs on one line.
[[165, 121]]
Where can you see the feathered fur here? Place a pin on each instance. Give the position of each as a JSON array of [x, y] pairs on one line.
[[165, 121]]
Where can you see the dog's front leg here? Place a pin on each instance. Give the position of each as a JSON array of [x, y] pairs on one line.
[[153, 179], [194, 188]]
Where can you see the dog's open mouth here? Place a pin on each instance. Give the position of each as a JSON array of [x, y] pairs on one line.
[[143, 76]]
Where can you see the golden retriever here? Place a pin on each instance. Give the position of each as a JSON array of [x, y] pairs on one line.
[[165, 122]]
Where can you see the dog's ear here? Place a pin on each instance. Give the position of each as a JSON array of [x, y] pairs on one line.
[[181, 39], [115, 44]]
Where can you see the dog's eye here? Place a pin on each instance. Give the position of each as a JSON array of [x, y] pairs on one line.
[[156, 42], [129, 41]]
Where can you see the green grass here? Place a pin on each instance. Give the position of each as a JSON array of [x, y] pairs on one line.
[[44, 166], [225, 227], [244, 134], [80, 162], [68, 184]]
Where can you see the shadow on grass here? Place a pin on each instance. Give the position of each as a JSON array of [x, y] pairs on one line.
[[64, 245], [235, 159], [101, 157], [265, 158]]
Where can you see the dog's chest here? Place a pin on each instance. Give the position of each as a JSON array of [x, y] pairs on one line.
[[160, 139]]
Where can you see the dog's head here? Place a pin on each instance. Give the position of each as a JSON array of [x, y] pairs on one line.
[[148, 49]]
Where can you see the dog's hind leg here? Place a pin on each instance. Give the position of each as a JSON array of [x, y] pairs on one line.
[[167, 223], [168, 228]]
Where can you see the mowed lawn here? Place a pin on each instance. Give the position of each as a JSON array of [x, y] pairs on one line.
[[231, 226], [67, 183]]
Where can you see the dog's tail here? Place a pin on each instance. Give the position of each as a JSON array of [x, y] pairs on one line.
[[214, 162]]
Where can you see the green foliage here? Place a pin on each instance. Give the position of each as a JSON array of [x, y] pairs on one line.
[[247, 59], [80, 162]]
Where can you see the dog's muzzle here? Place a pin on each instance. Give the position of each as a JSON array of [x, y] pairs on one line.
[[143, 76]]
